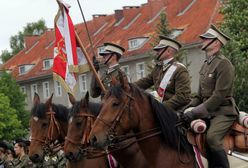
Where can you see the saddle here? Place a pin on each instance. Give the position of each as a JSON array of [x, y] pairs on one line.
[[235, 140]]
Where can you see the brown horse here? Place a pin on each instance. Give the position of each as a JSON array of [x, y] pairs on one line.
[[48, 123], [82, 116], [79, 126], [124, 108]]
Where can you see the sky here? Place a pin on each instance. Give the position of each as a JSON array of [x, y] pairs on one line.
[[15, 14]]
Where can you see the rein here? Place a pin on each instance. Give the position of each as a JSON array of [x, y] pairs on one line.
[[115, 139]]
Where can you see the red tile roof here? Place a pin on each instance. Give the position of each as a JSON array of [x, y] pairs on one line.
[[194, 16]]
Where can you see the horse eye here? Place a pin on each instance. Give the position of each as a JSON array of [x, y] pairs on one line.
[[44, 125], [78, 124], [116, 104]]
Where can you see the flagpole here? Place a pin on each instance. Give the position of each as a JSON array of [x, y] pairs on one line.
[[90, 63]]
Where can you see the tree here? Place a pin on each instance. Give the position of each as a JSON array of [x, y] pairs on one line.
[[11, 89], [236, 25], [17, 41], [10, 127], [6, 55]]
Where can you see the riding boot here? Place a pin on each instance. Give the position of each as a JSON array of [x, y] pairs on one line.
[[219, 159]]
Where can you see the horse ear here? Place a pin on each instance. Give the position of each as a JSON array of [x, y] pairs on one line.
[[49, 101], [85, 101], [71, 98], [86, 97], [124, 81], [36, 99]]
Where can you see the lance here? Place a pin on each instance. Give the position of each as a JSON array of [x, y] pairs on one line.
[[92, 50]]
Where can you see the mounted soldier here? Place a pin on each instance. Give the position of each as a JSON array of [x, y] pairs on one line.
[[111, 55], [214, 99], [170, 78]]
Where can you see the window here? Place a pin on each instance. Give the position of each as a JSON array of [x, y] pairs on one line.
[[136, 43], [22, 69], [175, 33], [34, 89], [46, 91], [23, 89], [126, 70], [140, 69], [83, 83], [47, 64], [58, 89]]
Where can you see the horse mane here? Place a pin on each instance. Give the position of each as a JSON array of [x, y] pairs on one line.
[[61, 111], [94, 108], [165, 118]]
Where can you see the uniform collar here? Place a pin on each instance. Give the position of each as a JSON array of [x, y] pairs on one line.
[[165, 62], [112, 68], [211, 58]]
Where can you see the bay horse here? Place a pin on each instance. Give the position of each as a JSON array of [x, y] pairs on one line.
[[78, 127], [48, 123], [82, 116], [125, 107]]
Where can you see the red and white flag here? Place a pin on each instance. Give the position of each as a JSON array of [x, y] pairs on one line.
[[67, 56]]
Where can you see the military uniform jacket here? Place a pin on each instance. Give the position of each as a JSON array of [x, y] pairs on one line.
[[23, 162], [177, 93], [215, 87], [106, 79]]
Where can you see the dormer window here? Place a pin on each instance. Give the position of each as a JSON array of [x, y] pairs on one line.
[[47, 64], [175, 33], [136, 43], [24, 69]]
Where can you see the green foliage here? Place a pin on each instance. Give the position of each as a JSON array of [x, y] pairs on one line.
[[236, 25], [6, 55], [10, 127], [11, 89], [17, 41]]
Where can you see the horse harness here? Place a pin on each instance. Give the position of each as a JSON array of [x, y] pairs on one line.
[[116, 139], [53, 125]]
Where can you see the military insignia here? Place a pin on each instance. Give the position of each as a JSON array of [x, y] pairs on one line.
[[70, 120], [36, 119], [210, 75]]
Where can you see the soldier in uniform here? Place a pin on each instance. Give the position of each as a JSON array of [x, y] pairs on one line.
[[215, 96], [3, 155], [111, 55], [169, 77], [22, 160]]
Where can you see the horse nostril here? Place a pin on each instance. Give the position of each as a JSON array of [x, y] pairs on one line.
[[35, 157], [93, 140]]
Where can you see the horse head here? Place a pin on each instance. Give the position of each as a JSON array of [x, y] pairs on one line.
[[116, 116], [46, 122], [81, 118]]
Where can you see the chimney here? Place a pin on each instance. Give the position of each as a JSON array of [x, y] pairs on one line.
[[98, 20], [29, 41], [118, 15], [130, 11]]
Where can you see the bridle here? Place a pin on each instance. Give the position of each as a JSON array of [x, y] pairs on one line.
[[88, 125], [115, 139], [53, 125]]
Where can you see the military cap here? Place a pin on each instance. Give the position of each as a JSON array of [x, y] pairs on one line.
[[167, 42], [112, 48], [214, 33]]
